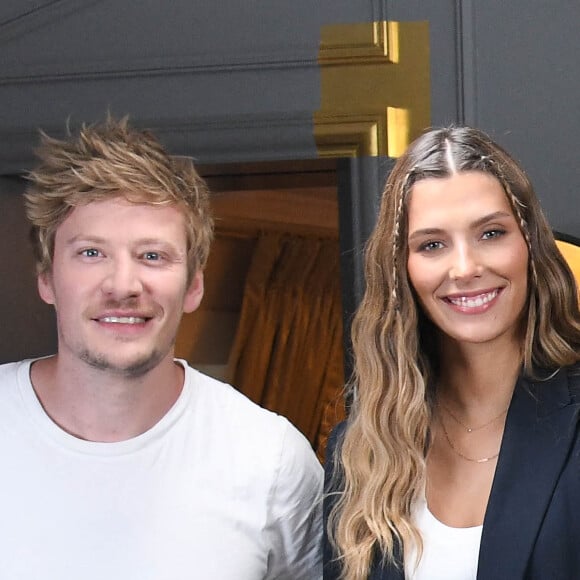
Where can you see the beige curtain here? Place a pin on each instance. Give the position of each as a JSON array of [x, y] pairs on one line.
[[288, 352]]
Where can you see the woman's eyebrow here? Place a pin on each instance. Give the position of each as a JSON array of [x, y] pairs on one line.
[[475, 224], [490, 217]]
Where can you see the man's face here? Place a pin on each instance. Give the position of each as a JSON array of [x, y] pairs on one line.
[[119, 285]]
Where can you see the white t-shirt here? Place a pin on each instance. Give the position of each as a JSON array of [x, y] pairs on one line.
[[448, 553], [218, 489]]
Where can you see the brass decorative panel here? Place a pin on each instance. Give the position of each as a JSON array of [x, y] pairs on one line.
[[357, 44], [375, 88]]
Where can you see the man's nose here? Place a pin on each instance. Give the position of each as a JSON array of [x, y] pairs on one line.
[[122, 280]]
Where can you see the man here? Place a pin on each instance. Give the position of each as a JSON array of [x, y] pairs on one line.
[[119, 462]]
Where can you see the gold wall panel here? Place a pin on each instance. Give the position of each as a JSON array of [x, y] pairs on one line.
[[357, 44], [375, 88]]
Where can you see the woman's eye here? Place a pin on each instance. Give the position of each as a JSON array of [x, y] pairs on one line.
[[490, 234], [430, 246], [151, 256]]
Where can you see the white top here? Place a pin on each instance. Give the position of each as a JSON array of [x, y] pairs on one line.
[[448, 553], [218, 489]]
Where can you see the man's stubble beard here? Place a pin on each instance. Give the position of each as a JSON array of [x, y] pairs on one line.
[[137, 369]]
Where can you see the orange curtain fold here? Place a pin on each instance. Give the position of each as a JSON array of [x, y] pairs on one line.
[[287, 354]]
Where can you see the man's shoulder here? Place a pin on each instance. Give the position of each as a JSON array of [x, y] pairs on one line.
[[9, 366], [9, 371], [14, 384], [230, 406], [241, 421]]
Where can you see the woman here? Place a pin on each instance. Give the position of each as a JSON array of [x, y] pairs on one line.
[[460, 458]]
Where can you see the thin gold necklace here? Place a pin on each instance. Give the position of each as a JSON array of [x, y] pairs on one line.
[[456, 451], [466, 427]]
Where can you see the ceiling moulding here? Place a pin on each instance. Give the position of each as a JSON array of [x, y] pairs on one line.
[[18, 20], [375, 88], [15, 73], [215, 139], [287, 54]]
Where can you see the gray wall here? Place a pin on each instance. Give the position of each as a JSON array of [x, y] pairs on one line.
[[27, 323], [234, 81], [524, 81]]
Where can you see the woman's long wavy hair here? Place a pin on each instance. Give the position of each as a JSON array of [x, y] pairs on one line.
[[381, 459]]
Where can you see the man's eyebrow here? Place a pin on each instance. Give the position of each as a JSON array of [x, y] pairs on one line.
[[155, 241], [85, 239], [100, 240]]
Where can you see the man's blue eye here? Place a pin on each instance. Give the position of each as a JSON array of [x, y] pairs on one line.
[[152, 256], [90, 253]]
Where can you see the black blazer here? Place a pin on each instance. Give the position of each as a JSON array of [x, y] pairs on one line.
[[531, 528]]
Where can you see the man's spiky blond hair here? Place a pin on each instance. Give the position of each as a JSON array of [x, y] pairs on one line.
[[113, 160]]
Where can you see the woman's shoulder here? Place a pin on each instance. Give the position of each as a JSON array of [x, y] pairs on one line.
[[333, 445], [573, 374], [337, 434], [332, 467]]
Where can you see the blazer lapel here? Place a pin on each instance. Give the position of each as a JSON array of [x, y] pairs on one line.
[[539, 430], [386, 570]]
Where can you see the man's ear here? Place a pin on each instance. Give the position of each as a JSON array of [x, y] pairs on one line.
[[45, 288], [194, 293]]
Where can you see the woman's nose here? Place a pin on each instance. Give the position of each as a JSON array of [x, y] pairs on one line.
[[465, 263]]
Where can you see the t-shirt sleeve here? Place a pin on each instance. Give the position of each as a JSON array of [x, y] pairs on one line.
[[294, 527]]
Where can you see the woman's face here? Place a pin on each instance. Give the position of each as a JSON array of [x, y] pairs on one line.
[[468, 260]]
